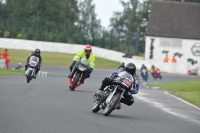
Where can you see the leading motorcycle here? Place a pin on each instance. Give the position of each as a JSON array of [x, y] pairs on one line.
[[113, 93], [79, 71], [31, 70]]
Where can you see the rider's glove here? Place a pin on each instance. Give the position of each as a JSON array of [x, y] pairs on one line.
[[90, 70], [135, 90], [71, 67], [137, 79]]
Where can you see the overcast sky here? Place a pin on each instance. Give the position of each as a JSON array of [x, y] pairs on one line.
[[105, 8]]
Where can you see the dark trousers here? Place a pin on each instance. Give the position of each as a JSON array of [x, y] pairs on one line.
[[105, 82], [128, 99]]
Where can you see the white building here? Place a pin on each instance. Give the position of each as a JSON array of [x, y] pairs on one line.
[[174, 27]]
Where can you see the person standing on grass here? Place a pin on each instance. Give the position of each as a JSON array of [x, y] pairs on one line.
[[7, 60]]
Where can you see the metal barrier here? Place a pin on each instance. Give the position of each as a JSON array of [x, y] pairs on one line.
[[42, 74]]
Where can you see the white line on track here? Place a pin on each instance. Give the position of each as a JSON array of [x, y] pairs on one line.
[[161, 106], [145, 84], [181, 100], [173, 96]]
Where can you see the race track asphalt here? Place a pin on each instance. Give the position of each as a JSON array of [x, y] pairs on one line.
[[46, 105]]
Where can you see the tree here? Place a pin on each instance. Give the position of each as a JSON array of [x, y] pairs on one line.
[[131, 22], [44, 20], [198, 1], [88, 25]]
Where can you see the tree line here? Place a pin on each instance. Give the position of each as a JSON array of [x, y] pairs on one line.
[[75, 21]]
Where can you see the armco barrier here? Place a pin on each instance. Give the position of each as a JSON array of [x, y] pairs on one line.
[[42, 74]]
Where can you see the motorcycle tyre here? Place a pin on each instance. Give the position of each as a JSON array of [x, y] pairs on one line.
[[114, 104], [29, 77], [75, 81], [160, 76], [95, 108]]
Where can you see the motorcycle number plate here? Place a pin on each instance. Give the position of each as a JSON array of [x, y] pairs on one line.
[[144, 70], [127, 82], [33, 63]]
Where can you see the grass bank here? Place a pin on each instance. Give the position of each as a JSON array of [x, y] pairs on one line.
[[56, 59], [11, 72], [189, 91]]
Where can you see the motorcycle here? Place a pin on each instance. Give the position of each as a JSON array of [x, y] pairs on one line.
[[156, 73], [79, 71], [113, 93], [31, 70], [144, 74]]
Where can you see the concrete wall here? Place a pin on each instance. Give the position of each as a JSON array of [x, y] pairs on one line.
[[173, 45], [181, 67]]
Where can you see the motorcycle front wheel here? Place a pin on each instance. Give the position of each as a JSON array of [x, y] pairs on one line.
[[95, 108], [75, 81], [113, 103], [29, 76], [160, 76]]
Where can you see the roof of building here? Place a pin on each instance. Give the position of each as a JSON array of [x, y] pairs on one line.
[[174, 20]]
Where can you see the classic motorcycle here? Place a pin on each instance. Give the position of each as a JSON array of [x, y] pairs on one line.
[[113, 93], [79, 71], [31, 70], [144, 74], [156, 73]]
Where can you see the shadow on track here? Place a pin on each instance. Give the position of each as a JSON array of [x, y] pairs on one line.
[[116, 116], [82, 91]]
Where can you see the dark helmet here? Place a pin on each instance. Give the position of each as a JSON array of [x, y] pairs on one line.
[[37, 52], [130, 68]]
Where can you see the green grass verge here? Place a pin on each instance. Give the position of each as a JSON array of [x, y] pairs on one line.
[[56, 59], [11, 72], [189, 91]]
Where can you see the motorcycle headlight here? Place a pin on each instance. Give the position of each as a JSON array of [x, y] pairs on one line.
[[82, 68]]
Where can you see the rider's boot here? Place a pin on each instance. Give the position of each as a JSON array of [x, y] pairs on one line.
[[118, 106]]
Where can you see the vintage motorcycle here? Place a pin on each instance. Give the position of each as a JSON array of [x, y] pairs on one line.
[[113, 93], [31, 70], [79, 71], [144, 74]]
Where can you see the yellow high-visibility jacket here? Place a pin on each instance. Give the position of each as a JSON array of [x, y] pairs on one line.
[[81, 54]]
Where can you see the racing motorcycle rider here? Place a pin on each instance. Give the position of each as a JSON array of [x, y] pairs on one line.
[[85, 53], [143, 67], [37, 54], [128, 99]]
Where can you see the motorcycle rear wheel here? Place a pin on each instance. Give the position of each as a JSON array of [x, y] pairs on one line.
[[115, 100], [75, 81]]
